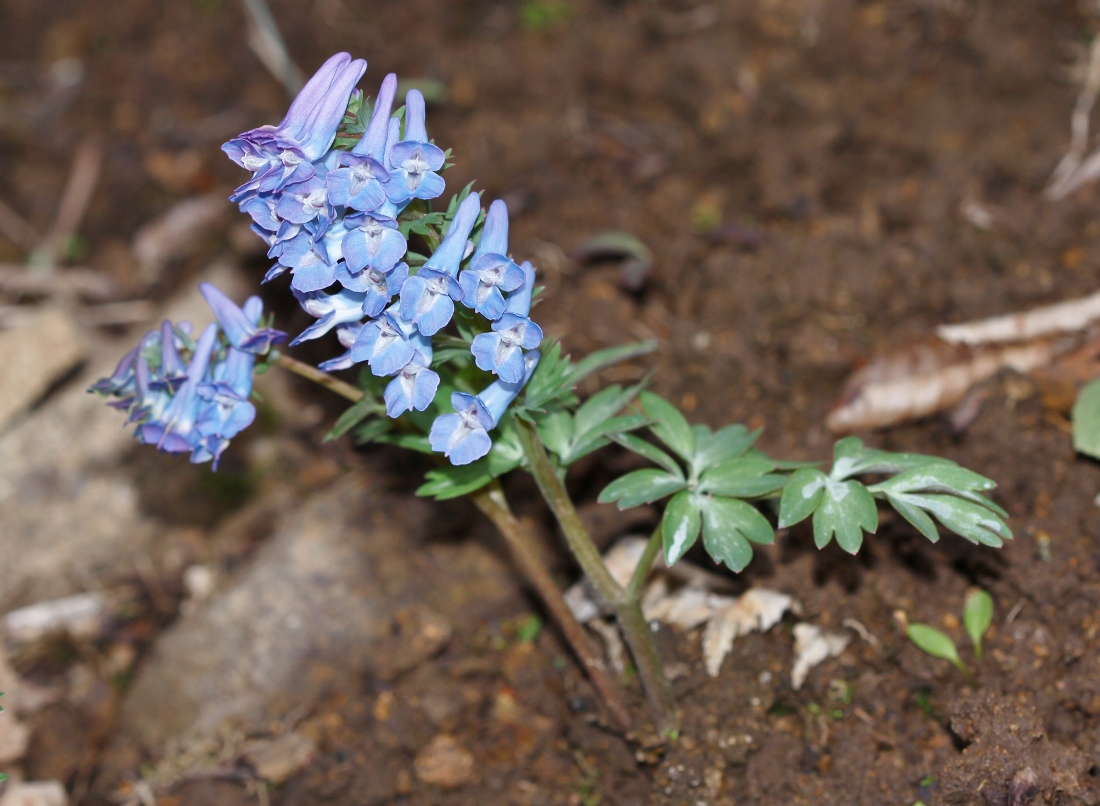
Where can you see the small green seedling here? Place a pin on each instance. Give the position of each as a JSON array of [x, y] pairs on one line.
[[977, 616]]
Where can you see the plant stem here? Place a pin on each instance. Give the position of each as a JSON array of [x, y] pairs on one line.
[[317, 376], [627, 609], [491, 501], [641, 571]]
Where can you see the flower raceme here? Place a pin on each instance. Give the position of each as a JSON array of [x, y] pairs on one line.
[[332, 207], [199, 404]]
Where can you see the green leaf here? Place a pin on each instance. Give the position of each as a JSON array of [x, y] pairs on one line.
[[847, 510], [680, 525], [721, 446], [977, 616], [728, 525], [976, 522], [371, 430], [601, 407], [746, 477], [1086, 420], [358, 412], [551, 378], [414, 442], [649, 451], [453, 481], [917, 517], [641, 487], [669, 425], [609, 357], [616, 425], [944, 478], [801, 495], [556, 431], [932, 642], [851, 458]]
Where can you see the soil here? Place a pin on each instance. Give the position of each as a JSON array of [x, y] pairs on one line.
[[797, 168]]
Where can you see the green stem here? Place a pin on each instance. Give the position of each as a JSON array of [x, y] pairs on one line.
[[641, 571], [491, 501], [627, 609]]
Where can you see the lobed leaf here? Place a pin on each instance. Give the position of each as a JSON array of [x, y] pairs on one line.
[[746, 477], [852, 458], [680, 525], [712, 449], [355, 414], [801, 496], [649, 451], [609, 357], [669, 425], [728, 526], [847, 510], [641, 487]]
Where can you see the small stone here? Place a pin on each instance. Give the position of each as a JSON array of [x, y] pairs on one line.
[[1024, 787], [35, 355], [39, 793], [275, 760], [444, 763]]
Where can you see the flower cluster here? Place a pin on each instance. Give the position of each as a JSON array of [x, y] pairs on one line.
[[330, 216], [191, 395]]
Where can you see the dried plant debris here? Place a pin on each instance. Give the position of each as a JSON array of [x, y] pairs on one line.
[[927, 378], [1055, 343], [684, 597], [813, 645]]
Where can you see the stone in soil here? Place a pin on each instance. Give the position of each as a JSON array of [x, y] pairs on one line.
[[444, 763]]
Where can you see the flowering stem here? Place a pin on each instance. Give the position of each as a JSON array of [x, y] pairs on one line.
[[627, 609], [317, 376], [491, 501]]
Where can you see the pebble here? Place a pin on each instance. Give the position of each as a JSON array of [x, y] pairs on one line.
[[444, 763]]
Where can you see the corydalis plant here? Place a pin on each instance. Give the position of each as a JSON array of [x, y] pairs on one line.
[[456, 367]]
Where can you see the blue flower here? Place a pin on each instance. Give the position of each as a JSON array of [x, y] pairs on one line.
[[373, 241], [302, 202], [501, 351], [463, 437], [173, 430], [358, 177], [373, 142], [279, 155], [385, 344], [200, 404], [414, 161], [121, 384], [427, 299], [378, 286], [227, 410], [313, 256], [491, 271], [330, 310], [240, 326], [414, 387]]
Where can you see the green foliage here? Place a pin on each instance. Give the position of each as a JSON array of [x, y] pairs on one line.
[[923, 486], [708, 475], [977, 616], [540, 15], [1086, 420], [932, 642]]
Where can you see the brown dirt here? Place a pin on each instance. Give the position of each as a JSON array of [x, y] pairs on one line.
[[835, 141]]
